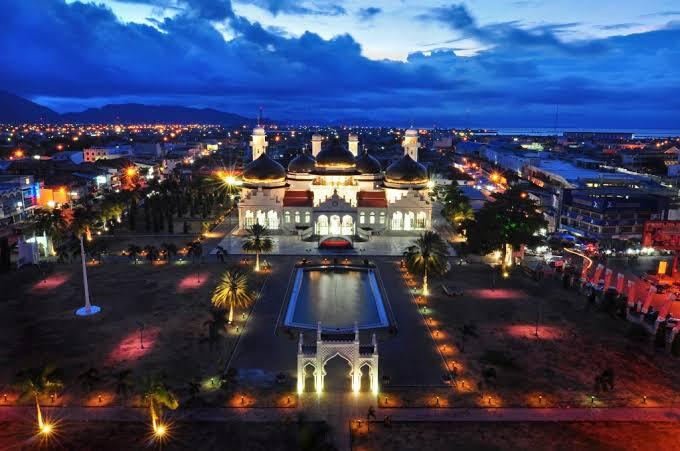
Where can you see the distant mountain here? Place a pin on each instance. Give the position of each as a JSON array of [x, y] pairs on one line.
[[17, 110], [128, 113]]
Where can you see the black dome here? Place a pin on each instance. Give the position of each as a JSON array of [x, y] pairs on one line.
[[367, 164], [263, 170], [302, 163], [335, 156], [406, 171]]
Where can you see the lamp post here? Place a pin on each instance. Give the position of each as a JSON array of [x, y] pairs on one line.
[[88, 309]]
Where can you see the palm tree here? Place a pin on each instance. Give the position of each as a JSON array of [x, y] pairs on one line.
[[462, 213], [157, 394], [123, 382], [257, 242], [232, 291], [89, 379], [82, 223], [195, 250], [170, 250], [133, 251], [37, 382], [151, 252], [427, 255]]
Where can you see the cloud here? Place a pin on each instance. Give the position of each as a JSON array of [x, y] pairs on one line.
[[630, 81], [298, 7], [204, 9], [369, 12], [507, 34], [619, 26]]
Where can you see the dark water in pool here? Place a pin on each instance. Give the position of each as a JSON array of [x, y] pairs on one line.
[[337, 299]]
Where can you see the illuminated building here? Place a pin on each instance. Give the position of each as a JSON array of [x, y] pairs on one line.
[[335, 190]]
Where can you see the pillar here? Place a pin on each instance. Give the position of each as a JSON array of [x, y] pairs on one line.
[[258, 142], [356, 379], [316, 145]]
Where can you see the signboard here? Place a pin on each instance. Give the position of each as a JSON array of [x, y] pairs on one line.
[[662, 235]]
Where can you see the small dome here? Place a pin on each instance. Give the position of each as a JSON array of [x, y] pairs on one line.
[[264, 170], [367, 164], [302, 163], [259, 131], [406, 172], [335, 157], [411, 132]]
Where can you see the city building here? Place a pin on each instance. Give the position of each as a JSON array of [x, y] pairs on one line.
[[335, 191], [19, 194], [92, 154]]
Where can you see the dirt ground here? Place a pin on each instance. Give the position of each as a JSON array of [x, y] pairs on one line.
[[575, 344], [517, 436], [101, 436], [171, 301]]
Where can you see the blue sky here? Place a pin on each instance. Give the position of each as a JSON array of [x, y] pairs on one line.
[[495, 63]]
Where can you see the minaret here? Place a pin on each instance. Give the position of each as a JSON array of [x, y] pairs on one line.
[[410, 143], [316, 144], [259, 139], [353, 142]]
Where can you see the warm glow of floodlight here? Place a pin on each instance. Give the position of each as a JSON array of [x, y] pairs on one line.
[[506, 274], [160, 430], [131, 171], [46, 429]]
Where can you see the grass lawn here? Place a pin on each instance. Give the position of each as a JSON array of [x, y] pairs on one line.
[[437, 436], [278, 436], [575, 344], [172, 301]]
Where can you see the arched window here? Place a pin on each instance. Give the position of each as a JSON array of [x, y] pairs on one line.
[[335, 224], [382, 217], [362, 218], [347, 225], [409, 219], [297, 217], [307, 217], [322, 225], [261, 218], [272, 220], [421, 219], [371, 218], [286, 217], [397, 220], [250, 218]]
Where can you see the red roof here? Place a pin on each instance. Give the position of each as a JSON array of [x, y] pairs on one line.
[[298, 199], [371, 199]]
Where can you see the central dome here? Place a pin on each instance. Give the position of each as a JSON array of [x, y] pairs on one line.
[[405, 173], [302, 163], [264, 171], [367, 164], [335, 157]]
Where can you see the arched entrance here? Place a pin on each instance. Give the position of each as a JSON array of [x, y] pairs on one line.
[[338, 374], [335, 228], [365, 378], [347, 225], [323, 355], [397, 220], [309, 376], [322, 225]]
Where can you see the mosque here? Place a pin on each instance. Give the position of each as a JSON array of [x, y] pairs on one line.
[[335, 191]]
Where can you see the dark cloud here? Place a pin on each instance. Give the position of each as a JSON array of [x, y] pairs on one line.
[[507, 34], [205, 9], [631, 81], [619, 26], [298, 7], [369, 12]]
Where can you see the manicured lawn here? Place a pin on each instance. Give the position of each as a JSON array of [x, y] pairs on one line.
[[517, 436]]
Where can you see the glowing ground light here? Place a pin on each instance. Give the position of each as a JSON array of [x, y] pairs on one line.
[[46, 429], [160, 430]]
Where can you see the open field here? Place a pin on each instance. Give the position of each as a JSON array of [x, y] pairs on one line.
[[172, 301], [575, 344], [437, 436]]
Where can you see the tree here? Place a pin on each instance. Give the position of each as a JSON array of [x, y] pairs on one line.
[[81, 225], [215, 325], [37, 382], [151, 252], [195, 250], [50, 223], [506, 223], [257, 242], [157, 394], [427, 256], [89, 379], [461, 214], [233, 290], [133, 251], [123, 383], [170, 250]]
